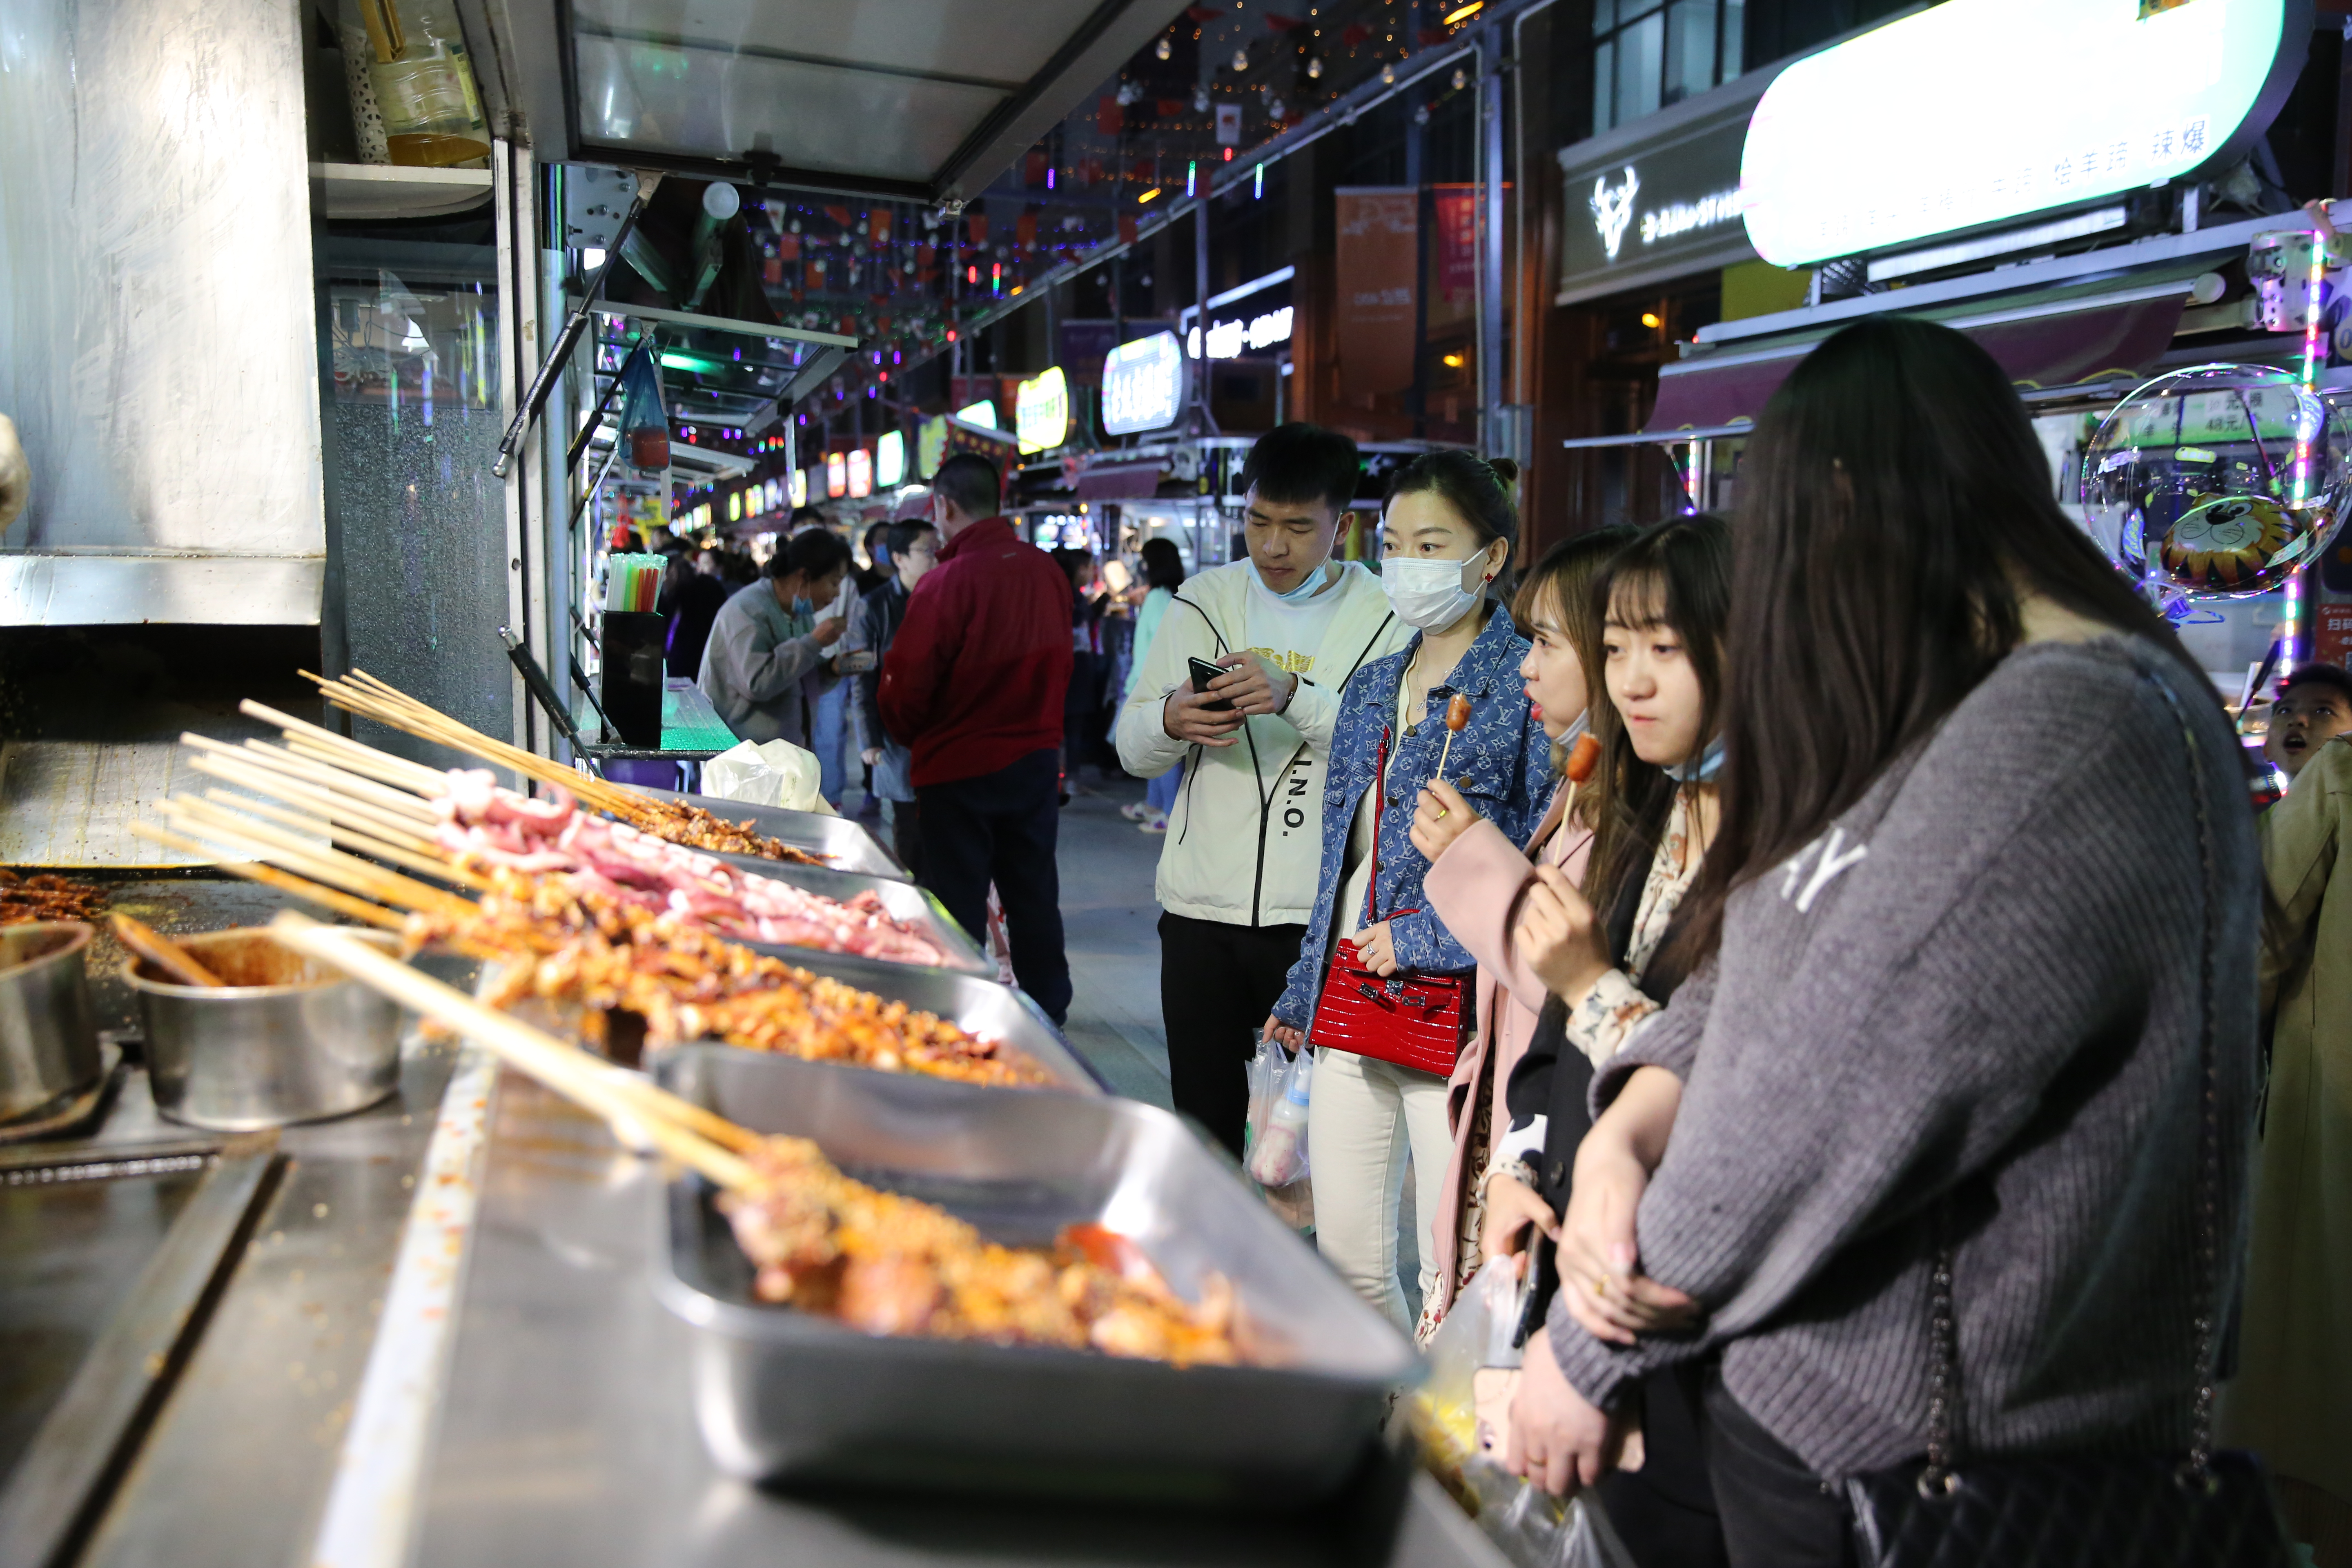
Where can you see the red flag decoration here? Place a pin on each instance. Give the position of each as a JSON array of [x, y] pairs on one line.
[[1127, 228], [1281, 24], [1202, 12], [788, 247], [838, 214], [1354, 35], [1024, 231], [1110, 117], [1033, 168], [1170, 108], [1431, 36], [979, 222]]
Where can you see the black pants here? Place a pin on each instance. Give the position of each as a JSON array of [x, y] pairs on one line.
[[1665, 1513], [1775, 1513], [1217, 984], [1001, 828], [907, 836]]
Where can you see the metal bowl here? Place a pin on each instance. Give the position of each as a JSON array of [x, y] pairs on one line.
[[48, 1045], [288, 1039]]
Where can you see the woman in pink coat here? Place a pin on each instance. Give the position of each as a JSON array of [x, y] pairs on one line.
[[1474, 879]]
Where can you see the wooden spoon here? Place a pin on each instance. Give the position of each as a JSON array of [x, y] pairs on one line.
[[162, 953]]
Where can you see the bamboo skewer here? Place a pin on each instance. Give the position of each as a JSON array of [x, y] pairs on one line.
[[351, 839], [328, 866], [414, 777], [147, 942], [317, 799], [284, 881], [686, 1131], [370, 698], [254, 754]]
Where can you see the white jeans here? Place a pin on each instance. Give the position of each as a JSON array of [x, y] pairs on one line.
[[1362, 1117]]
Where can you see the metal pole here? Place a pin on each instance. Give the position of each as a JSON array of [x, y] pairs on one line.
[[1492, 436], [553, 366], [1206, 420]]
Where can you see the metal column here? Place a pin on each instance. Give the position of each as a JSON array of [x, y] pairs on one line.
[[1494, 433]]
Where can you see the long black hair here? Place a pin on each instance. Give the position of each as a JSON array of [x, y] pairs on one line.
[[1675, 574], [1164, 567], [1563, 579], [1894, 508]]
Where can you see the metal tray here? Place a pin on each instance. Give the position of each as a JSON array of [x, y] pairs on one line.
[[783, 1396], [904, 900], [851, 847], [981, 1006]]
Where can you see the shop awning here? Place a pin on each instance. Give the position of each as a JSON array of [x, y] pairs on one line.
[[924, 100], [2053, 344], [1121, 482]]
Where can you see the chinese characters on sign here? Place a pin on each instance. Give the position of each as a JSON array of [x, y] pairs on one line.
[[1142, 385], [1375, 266]]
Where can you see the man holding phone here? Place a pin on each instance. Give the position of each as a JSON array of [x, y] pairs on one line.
[[1240, 689]]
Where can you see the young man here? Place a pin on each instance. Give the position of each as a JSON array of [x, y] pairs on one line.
[[973, 688], [913, 546], [1238, 869], [2313, 706]]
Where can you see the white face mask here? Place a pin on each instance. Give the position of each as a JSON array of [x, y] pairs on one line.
[[1428, 593]]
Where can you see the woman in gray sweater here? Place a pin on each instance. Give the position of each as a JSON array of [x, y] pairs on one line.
[[1984, 840]]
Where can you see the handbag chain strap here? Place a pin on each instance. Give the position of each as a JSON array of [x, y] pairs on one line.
[[2195, 1473]]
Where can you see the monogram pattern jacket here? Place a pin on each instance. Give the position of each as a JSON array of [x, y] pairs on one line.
[[1501, 762]]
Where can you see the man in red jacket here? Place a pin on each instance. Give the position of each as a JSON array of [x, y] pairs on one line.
[[973, 687]]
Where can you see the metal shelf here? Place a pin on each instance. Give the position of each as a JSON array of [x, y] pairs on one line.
[[390, 190]]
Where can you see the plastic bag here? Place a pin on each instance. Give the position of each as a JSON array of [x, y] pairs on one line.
[[1459, 1411], [645, 411], [1278, 1146], [769, 773]]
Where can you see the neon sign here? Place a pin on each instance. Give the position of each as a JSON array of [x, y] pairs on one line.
[[1143, 385], [1940, 122]]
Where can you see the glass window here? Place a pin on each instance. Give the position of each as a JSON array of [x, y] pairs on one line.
[[1690, 49], [1641, 59], [1647, 54]]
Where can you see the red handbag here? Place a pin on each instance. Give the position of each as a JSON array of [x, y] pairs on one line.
[[1412, 1020]]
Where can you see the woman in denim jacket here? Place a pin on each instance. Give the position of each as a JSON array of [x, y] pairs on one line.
[[1447, 533]]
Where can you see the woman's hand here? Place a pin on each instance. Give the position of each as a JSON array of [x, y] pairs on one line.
[[1376, 950], [1560, 936], [1276, 1029], [1441, 818], [1597, 1252], [1555, 1439], [1512, 1208]]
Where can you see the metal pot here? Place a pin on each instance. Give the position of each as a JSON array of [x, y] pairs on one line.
[[287, 1040], [49, 1047]]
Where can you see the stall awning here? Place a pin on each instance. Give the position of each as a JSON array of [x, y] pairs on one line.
[[1121, 482], [2060, 343]]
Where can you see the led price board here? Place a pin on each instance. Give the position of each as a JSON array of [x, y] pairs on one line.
[[890, 461], [861, 473], [1143, 385], [1979, 111]]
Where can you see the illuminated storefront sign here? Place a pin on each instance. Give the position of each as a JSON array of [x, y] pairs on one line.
[[1248, 320], [1041, 411], [1942, 121], [1143, 385], [836, 474], [861, 473], [982, 413], [890, 461], [1659, 198], [800, 487], [930, 445]]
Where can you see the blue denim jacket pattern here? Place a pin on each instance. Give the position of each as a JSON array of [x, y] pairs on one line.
[[1501, 762]]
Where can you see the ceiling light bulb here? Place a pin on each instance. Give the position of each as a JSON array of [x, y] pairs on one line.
[[1314, 69], [1241, 59], [1164, 50], [1460, 78], [1388, 76]]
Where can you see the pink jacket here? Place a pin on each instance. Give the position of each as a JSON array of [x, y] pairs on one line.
[[1474, 889]]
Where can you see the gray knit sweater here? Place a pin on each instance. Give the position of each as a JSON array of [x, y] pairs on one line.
[[1980, 984]]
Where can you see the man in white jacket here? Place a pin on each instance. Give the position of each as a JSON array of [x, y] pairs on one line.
[[1238, 868]]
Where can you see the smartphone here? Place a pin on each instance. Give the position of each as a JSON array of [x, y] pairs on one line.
[[1204, 672]]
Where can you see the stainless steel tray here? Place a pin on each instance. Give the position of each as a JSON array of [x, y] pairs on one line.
[[983, 1007], [904, 900], [781, 1394], [851, 848]]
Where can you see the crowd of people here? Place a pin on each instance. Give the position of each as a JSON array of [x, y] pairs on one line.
[[1830, 957]]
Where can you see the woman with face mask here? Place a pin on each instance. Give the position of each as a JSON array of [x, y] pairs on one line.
[[1381, 988], [1476, 877]]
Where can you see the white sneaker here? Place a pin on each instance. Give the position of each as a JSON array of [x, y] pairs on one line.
[[1135, 811], [1155, 823]]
